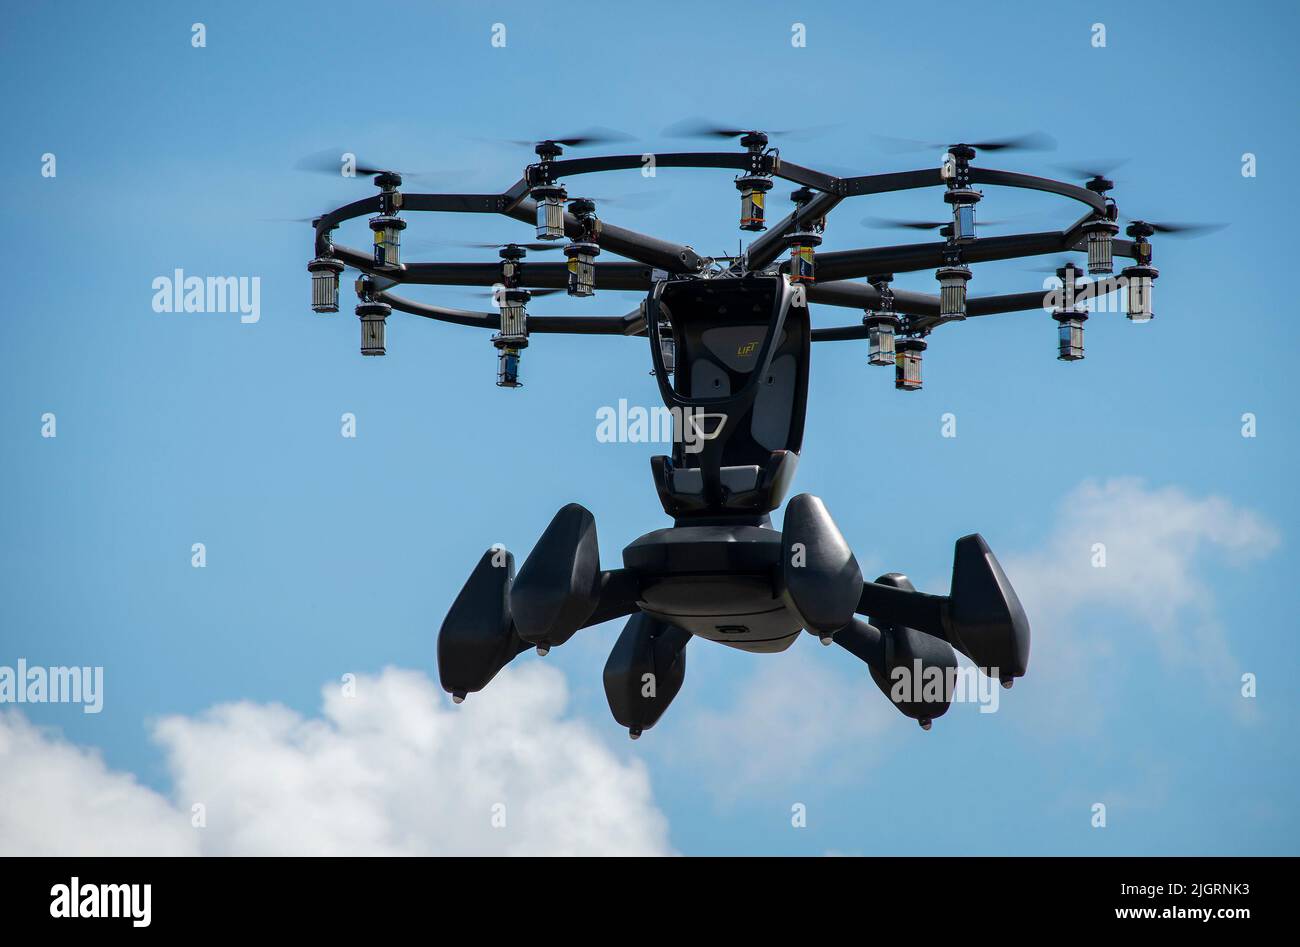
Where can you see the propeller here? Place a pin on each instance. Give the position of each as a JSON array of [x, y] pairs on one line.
[[885, 223], [330, 162], [470, 245], [290, 220], [583, 139], [1184, 229], [1031, 141], [1103, 168], [889, 223], [702, 128], [635, 199], [530, 247]]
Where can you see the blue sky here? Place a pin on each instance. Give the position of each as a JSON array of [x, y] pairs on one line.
[[183, 428]]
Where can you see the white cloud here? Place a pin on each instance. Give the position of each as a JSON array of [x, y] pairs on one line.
[[60, 799], [1156, 581], [792, 717], [396, 770], [391, 770], [796, 714]]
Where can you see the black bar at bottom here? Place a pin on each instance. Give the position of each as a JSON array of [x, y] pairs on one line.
[[994, 896]]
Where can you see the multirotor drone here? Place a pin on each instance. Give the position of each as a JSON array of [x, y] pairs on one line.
[[729, 344]]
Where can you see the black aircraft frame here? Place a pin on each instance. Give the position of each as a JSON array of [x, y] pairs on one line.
[[730, 340]]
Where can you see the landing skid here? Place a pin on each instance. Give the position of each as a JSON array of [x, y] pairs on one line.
[[746, 586]]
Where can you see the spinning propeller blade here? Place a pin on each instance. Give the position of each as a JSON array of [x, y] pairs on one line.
[[583, 139], [289, 220], [702, 128], [1093, 169], [1183, 229], [888, 223], [635, 199], [331, 161], [470, 245], [1031, 141]]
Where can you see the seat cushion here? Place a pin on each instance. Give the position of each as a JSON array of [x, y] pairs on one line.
[[746, 487], [736, 479]]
